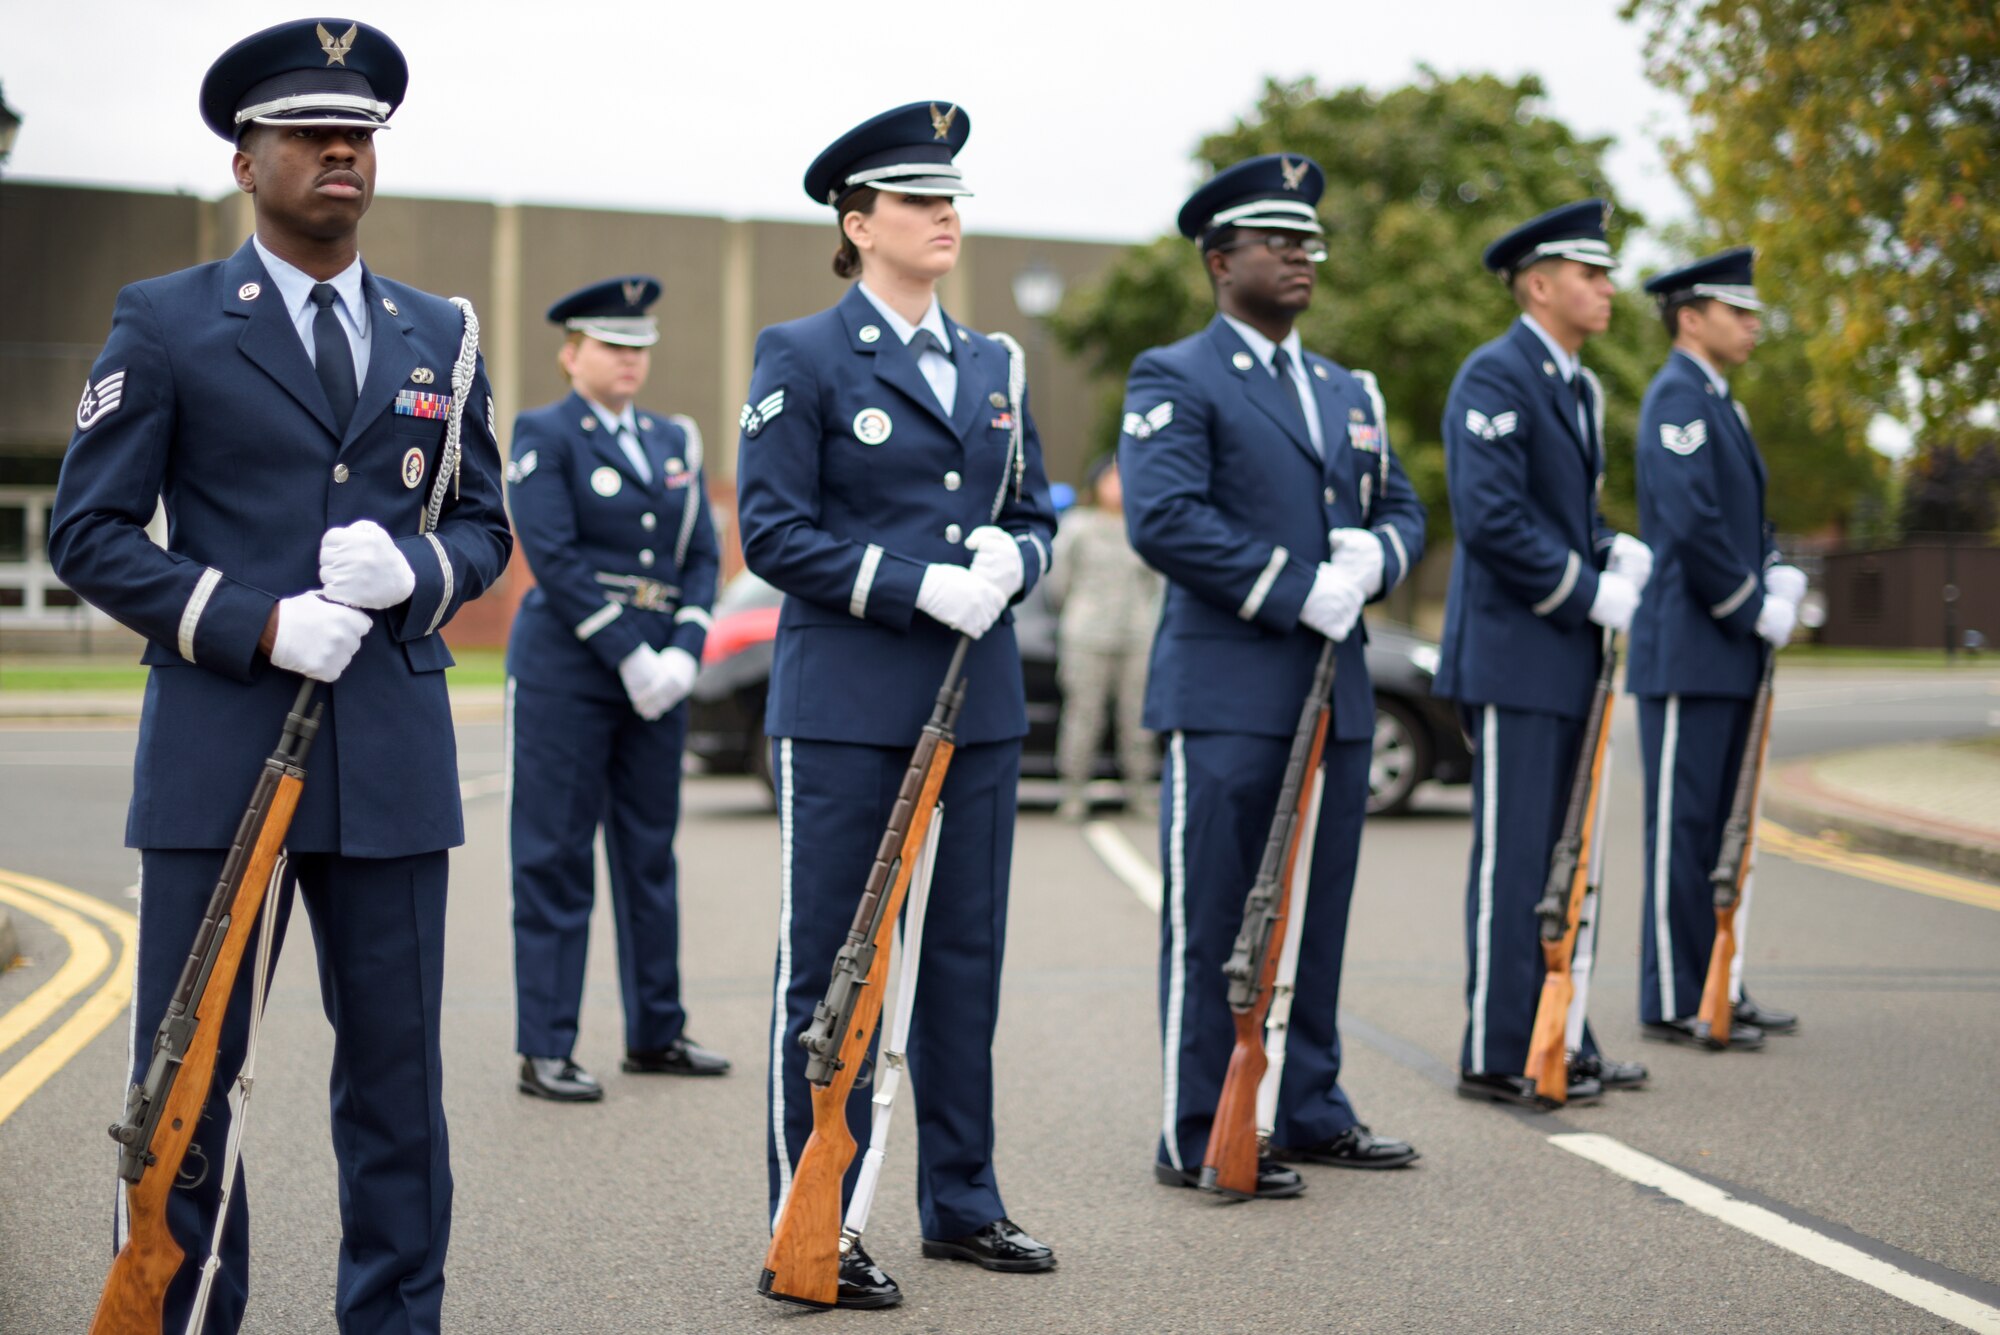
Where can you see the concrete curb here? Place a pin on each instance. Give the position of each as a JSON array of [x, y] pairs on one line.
[[1793, 798]]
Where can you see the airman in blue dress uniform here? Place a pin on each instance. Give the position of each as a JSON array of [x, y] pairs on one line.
[[1537, 582], [295, 411], [1720, 600], [611, 512], [890, 483], [1260, 481]]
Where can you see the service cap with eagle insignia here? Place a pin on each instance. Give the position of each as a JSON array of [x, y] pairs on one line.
[[324, 72], [1725, 277], [1278, 190], [613, 311], [1572, 232], [909, 150]]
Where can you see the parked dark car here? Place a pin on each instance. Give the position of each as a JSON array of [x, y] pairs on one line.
[[1416, 737]]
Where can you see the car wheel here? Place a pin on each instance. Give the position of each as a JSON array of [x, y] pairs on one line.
[[1401, 758], [760, 756]]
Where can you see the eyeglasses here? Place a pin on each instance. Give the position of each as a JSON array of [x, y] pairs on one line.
[[1284, 245]]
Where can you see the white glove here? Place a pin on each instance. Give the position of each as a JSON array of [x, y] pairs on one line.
[[680, 668], [647, 684], [360, 566], [1631, 558], [1334, 604], [996, 558], [1776, 619], [316, 638], [1787, 582], [1357, 553], [1617, 599], [969, 603]]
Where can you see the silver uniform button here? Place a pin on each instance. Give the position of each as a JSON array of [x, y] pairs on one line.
[[340, 472], [1327, 495], [952, 534], [952, 481], [646, 521], [646, 558]]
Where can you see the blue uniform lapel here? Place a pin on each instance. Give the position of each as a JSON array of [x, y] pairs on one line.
[[270, 339], [971, 401], [390, 359], [895, 364], [602, 439], [1562, 400], [1261, 388]]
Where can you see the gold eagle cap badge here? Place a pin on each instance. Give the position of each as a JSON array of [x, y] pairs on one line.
[[337, 48], [635, 291], [1293, 174], [941, 120]]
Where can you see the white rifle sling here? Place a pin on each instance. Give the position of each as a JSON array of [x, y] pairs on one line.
[[1583, 960], [1278, 1020]]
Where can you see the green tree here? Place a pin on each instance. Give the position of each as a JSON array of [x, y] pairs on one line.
[[1419, 181], [1857, 145]]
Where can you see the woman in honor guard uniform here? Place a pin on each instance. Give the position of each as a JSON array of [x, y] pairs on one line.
[[1536, 582], [890, 482], [1717, 604], [610, 510], [1259, 480], [297, 415]]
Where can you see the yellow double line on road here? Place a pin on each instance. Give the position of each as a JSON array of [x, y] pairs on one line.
[[83, 923], [1775, 838]]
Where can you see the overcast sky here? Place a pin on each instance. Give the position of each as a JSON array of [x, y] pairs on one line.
[[1084, 113]]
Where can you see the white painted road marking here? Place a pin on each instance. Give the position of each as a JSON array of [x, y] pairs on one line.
[[1126, 862], [1773, 1228]]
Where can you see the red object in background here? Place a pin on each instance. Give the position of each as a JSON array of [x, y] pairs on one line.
[[738, 631]]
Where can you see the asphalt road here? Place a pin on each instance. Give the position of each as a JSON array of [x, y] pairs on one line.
[[1874, 1126]]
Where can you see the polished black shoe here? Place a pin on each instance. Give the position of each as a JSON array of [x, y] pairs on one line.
[[1274, 1180], [1356, 1147], [863, 1283], [1692, 1034], [683, 1056], [1608, 1073], [560, 1079], [1520, 1091], [1001, 1246], [1768, 1018]]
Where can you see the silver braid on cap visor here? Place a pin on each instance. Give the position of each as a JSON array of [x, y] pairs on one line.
[[368, 106]]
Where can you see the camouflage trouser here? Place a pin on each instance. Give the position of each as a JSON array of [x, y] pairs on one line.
[[1092, 681]]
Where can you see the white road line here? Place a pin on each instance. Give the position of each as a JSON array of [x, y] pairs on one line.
[[1773, 1228], [1126, 862]]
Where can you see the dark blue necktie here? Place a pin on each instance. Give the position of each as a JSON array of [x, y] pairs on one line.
[[925, 341], [333, 358], [1282, 364]]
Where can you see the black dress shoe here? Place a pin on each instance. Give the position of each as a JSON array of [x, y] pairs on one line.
[[1520, 1091], [560, 1079], [1001, 1246], [1274, 1180], [863, 1283], [1768, 1018], [1608, 1073], [1356, 1147], [1691, 1034], [683, 1056]]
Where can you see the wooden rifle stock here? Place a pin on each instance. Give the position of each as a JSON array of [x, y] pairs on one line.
[[162, 1111], [1562, 895], [803, 1263], [1732, 867], [1230, 1165]]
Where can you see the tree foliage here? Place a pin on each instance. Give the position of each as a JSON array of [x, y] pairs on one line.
[[1952, 485], [1857, 145], [1419, 181]]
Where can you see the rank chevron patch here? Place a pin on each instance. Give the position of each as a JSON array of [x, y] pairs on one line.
[[1491, 428], [758, 415], [100, 400], [1684, 439], [1139, 428]]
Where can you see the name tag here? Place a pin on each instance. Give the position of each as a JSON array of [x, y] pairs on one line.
[[1364, 437], [417, 403]]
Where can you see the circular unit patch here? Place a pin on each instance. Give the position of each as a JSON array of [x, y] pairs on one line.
[[413, 468], [872, 426], [605, 481]]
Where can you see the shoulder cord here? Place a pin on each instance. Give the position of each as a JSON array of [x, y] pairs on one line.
[[691, 509], [451, 456], [1017, 455]]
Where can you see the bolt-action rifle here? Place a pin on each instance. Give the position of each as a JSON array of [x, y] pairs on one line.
[[1563, 893], [162, 1110], [803, 1263], [1235, 1139], [1733, 866]]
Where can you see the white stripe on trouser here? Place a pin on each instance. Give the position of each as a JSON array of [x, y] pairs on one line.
[[121, 1220], [507, 777], [784, 984], [1583, 961], [1177, 952], [1482, 931], [1663, 860]]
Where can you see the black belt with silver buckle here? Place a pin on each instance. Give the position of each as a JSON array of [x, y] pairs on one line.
[[639, 593]]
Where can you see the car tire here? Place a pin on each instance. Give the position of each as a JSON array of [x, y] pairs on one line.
[[1401, 758], [760, 756]]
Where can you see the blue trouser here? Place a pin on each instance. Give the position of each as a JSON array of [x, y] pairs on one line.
[[378, 928], [834, 799], [1522, 764], [1698, 741], [1217, 798], [577, 764]]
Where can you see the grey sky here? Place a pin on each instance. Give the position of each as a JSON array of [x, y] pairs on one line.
[[1084, 113]]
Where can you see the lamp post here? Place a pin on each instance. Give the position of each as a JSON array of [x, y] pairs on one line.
[[10, 129]]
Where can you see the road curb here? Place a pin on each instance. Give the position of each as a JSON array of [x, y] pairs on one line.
[[1794, 798]]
